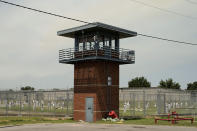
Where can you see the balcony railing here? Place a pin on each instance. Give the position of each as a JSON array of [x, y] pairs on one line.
[[120, 55]]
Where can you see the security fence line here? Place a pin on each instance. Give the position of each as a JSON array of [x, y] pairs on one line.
[[36, 103], [156, 101], [133, 102]]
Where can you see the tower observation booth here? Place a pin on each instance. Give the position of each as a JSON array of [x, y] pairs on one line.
[[96, 57]]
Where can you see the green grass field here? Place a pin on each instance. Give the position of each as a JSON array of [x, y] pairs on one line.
[[150, 121], [31, 120], [12, 121]]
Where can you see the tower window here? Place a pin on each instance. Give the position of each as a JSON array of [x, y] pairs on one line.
[[109, 79]]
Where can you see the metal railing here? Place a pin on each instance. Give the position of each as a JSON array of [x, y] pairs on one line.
[[101, 52]]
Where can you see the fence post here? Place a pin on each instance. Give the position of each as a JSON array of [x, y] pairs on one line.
[[158, 103], [19, 104], [123, 113], [49, 101], [123, 97], [72, 107], [29, 104], [144, 102], [55, 99], [7, 102], [67, 103], [130, 103], [164, 102], [133, 104]]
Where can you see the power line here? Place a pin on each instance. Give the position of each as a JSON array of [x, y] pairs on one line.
[[44, 12], [165, 10], [48, 13], [165, 39]]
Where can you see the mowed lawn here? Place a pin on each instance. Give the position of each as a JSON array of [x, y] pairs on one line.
[[5, 121], [31, 120], [151, 121]]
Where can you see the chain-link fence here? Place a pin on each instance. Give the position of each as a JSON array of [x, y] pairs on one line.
[[150, 102], [36, 103], [133, 102]]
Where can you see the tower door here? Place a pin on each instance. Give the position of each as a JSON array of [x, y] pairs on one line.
[[89, 109]]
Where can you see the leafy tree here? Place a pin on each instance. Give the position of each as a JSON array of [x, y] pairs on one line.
[[41, 90], [29, 88], [169, 84], [139, 82], [11, 90], [56, 89], [192, 86], [71, 89]]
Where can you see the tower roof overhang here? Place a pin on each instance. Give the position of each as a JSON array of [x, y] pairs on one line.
[[94, 27]]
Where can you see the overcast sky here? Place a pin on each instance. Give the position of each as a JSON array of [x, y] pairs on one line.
[[29, 44]]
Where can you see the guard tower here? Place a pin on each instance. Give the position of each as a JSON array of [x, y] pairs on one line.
[[96, 57]]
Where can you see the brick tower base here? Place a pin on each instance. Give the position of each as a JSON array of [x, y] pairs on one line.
[[91, 79]]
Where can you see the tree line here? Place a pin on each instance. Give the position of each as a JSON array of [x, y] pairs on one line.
[[167, 84], [141, 82]]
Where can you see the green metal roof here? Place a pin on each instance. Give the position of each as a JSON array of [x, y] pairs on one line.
[[123, 33]]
